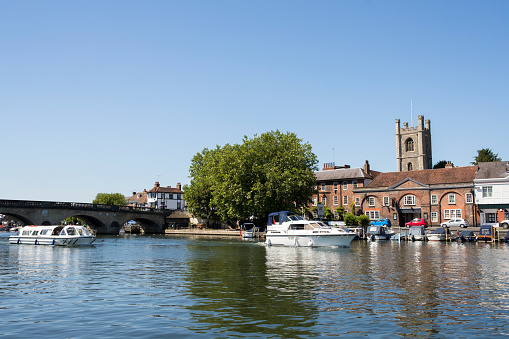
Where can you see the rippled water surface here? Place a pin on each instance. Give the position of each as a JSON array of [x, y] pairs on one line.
[[157, 287]]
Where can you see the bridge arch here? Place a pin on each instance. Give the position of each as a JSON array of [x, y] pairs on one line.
[[21, 218]]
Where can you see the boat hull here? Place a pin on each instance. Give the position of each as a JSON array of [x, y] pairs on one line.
[[57, 241], [433, 237], [308, 240]]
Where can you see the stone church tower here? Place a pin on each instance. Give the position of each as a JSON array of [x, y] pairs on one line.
[[413, 146]]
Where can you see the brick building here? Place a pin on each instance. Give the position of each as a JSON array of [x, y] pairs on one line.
[[436, 195], [335, 184]]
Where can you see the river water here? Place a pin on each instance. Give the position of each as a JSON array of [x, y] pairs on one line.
[[160, 287]]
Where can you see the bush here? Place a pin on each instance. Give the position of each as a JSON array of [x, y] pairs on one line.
[[351, 219], [363, 221]]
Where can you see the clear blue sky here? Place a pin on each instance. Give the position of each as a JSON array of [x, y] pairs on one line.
[[105, 96]]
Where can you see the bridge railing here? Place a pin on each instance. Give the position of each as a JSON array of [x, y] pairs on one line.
[[77, 205]]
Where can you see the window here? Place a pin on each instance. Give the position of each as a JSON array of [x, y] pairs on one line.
[[434, 217], [469, 198], [373, 214], [354, 184], [409, 200], [345, 185], [452, 199], [335, 185], [336, 200], [324, 200], [386, 201], [487, 192], [409, 145], [314, 201], [345, 200], [371, 201], [410, 167], [322, 186], [452, 213], [434, 199], [491, 217], [357, 201]]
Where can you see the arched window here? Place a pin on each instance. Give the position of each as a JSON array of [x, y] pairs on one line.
[[409, 145], [410, 167]]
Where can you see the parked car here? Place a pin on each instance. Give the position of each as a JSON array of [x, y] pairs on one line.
[[417, 222], [380, 222], [455, 222], [504, 223]]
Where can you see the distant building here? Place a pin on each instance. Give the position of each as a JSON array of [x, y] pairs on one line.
[[492, 191], [159, 197], [335, 185], [436, 195], [413, 146], [138, 199]]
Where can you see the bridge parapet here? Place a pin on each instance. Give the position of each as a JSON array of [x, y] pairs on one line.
[[80, 206]]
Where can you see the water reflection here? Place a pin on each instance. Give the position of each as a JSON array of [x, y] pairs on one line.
[[158, 286]]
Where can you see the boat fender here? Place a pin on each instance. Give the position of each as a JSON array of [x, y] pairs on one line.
[[413, 237], [372, 238], [268, 242], [310, 243]]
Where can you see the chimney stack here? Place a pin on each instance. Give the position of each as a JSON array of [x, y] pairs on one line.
[[157, 184], [449, 165], [366, 167], [179, 186]]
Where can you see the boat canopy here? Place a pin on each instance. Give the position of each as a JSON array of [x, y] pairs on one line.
[[486, 230], [440, 230], [277, 218], [416, 230], [466, 234]]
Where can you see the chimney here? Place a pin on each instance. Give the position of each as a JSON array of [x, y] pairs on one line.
[[168, 186], [328, 166], [157, 184], [134, 193], [144, 190], [448, 165], [366, 167], [179, 186]]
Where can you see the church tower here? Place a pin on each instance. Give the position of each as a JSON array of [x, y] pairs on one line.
[[413, 146]]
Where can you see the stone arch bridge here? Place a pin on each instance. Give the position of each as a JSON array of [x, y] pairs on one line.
[[102, 218]]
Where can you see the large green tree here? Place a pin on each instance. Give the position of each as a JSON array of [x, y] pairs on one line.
[[111, 199], [485, 155], [268, 173]]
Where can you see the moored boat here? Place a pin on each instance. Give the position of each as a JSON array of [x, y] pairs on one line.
[[249, 230], [290, 229], [378, 232], [417, 233], [440, 234], [486, 233], [70, 235]]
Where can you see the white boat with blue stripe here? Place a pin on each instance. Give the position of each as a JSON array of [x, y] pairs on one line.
[[60, 235], [290, 229]]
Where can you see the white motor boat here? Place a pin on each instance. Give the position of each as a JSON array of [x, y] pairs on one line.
[[70, 235], [290, 229], [249, 230], [440, 234]]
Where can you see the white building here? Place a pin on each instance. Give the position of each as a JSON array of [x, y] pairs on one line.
[[159, 197], [492, 191], [166, 197]]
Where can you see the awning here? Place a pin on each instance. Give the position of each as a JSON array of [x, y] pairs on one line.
[[493, 206]]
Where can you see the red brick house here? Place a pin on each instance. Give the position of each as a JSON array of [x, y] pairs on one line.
[[436, 195], [335, 184]]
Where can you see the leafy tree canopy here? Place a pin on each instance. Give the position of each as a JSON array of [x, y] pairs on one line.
[[268, 173], [441, 164], [111, 199], [485, 155]]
